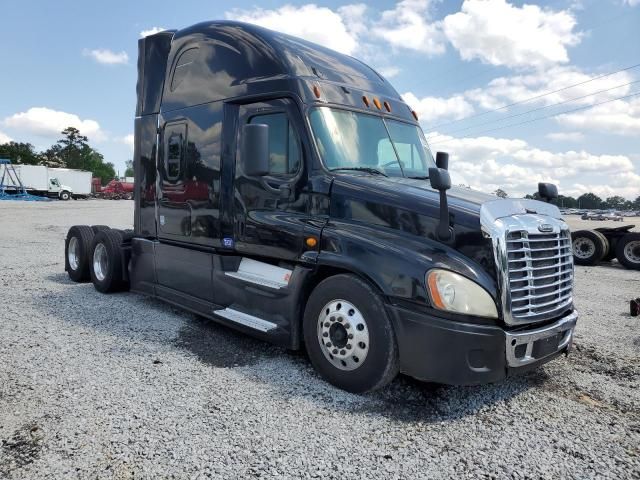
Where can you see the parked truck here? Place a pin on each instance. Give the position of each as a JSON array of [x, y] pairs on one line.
[[287, 191], [62, 183]]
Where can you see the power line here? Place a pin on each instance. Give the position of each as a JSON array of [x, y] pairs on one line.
[[535, 97], [584, 107], [533, 110]]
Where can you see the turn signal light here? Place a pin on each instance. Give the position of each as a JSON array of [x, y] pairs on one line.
[[311, 242]]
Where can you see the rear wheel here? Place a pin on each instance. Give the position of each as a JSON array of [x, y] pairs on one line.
[[588, 247], [608, 253], [348, 335], [77, 250], [628, 251], [106, 262], [98, 228]]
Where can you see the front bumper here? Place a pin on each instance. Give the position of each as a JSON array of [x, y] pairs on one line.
[[438, 350]]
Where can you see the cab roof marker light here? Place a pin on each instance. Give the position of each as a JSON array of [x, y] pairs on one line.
[[415, 115], [365, 100], [387, 106], [316, 91], [377, 103]]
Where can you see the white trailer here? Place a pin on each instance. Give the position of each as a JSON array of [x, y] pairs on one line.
[[51, 182], [79, 181]]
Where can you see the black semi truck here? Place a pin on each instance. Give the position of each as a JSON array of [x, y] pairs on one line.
[[287, 191]]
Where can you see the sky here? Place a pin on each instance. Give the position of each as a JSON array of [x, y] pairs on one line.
[[516, 92]]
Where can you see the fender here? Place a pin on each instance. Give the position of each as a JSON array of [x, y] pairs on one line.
[[394, 261]]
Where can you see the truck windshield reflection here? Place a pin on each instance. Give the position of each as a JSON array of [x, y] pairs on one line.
[[349, 140]]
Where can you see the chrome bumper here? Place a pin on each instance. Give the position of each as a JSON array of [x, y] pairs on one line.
[[533, 345]]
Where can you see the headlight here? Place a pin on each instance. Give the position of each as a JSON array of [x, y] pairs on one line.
[[455, 293]]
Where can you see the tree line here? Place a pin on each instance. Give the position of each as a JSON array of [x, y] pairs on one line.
[[588, 201], [71, 151]]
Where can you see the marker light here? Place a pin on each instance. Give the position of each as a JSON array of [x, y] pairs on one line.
[[377, 103], [415, 115], [365, 100], [316, 91], [387, 106], [454, 293], [311, 242]]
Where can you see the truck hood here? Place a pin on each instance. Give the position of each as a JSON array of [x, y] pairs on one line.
[[413, 206], [467, 206]]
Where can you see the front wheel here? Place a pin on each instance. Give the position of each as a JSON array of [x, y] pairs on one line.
[[64, 195], [348, 335]]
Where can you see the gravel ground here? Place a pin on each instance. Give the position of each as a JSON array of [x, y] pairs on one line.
[[120, 386]]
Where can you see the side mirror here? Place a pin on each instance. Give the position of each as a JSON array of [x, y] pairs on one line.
[[439, 178], [441, 181], [442, 160], [254, 150], [547, 191]]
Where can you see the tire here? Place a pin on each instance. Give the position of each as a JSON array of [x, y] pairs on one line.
[[105, 266], [99, 228], [360, 367], [608, 254], [78, 244], [628, 250], [64, 195], [126, 235], [587, 246]]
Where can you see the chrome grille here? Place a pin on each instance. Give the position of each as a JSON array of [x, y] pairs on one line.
[[539, 273]]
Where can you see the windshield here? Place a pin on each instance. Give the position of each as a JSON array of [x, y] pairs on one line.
[[349, 140]]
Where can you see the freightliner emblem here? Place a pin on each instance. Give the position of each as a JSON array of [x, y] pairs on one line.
[[545, 228]]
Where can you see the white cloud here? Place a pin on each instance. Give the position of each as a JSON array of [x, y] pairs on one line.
[[632, 3], [5, 138], [498, 33], [127, 140], [107, 57], [517, 88], [566, 136], [430, 109], [409, 26], [46, 122], [388, 72], [311, 22], [152, 31], [619, 117], [488, 163]]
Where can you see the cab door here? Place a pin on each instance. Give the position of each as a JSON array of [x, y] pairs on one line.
[[270, 210]]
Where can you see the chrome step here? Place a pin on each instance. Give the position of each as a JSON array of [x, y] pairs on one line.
[[246, 319]]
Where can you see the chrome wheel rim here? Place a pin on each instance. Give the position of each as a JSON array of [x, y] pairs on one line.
[[583, 247], [100, 262], [73, 253], [632, 251], [343, 335]]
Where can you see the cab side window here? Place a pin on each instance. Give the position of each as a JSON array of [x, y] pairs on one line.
[[284, 146], [174, 151]]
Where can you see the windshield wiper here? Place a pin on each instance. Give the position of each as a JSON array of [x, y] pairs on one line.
[[372, 170], [419, 178]]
